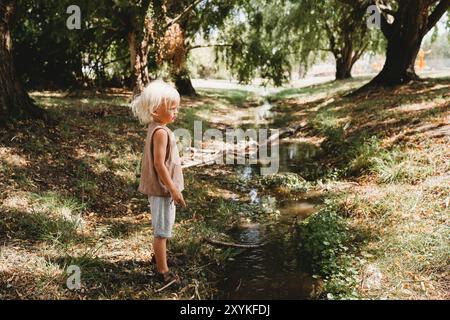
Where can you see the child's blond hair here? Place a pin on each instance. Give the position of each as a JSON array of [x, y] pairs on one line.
[[154, 94]]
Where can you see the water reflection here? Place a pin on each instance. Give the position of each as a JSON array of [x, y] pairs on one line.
[[274, 270]]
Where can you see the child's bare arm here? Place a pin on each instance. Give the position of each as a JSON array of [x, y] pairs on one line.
[[160, 140]]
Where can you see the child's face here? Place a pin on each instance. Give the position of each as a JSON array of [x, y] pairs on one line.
[[166, 112]]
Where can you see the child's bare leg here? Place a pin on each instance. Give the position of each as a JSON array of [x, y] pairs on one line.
[[159, 246]]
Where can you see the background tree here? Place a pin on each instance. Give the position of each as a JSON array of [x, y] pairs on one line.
[[404, 24], [190, 20], [172, 45], [53, 56], [153, 33], [270, 36], [14, 100], [331, 26], [133, 21], [254, 44]]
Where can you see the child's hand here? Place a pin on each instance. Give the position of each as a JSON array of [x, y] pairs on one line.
[[178, 198]]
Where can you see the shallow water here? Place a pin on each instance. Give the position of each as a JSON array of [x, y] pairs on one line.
[[273, 270]]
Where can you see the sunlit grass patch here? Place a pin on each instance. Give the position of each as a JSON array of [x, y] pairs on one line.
[[9, 158], [319, 91], [42, 217], [236, 97], [28, 274], [410, 244], [399, 167]]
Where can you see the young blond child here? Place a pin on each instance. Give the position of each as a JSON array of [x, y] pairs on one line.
[[161, 174]]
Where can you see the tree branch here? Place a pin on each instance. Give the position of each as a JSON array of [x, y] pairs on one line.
[[386, 9], [437, 13], [359, 53], [185, 11], [331, 38], [325, 49], [210, 46]]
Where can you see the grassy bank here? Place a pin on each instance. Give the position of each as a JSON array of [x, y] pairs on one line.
[[385, 159]]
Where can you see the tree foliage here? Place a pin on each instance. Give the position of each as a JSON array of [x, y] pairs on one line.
[[266, 37], [255, 43]]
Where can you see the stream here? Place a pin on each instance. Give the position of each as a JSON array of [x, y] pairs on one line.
[[273, 270]]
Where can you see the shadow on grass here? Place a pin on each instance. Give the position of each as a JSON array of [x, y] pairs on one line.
[[123, 229], [38, 226], [61, 158], [349, 125], [116, 274], [329, 86], [126, 279]]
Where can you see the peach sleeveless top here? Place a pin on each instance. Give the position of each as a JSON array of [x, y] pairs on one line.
[[150, 184]]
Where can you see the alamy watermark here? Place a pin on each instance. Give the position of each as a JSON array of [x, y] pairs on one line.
[[73, 282], [252, 146], [74, 20], [374, 18]]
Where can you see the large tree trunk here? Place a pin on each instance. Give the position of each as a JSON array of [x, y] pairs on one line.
[[139, 61], [411, 23], [404, 40], [400, 59], [183, 82], [14, 100], [343, 70]]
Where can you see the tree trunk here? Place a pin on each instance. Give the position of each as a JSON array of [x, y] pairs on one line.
[[139, 60], [401, 55], [183, 82], [344, 64], [411, 23], [343, 70], [345, 48], [14, 100]]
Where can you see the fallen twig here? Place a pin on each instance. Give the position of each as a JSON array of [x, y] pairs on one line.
[[196, 290], [166, 286], [235, 245]]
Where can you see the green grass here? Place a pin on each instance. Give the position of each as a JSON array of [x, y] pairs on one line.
[[53, 218], [379, 144], [330, 88], [235, 97], [288, 182], [411, 245]]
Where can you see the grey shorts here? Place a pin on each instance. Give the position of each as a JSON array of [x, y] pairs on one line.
[[163, 216]]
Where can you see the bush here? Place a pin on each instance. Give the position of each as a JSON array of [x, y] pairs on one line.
[[326, 244], [288, 181]]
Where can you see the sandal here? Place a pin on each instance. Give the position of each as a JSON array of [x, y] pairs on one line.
[[168, 277]]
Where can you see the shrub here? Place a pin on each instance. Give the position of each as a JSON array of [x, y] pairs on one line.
[[289, 181], [326, 244]]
